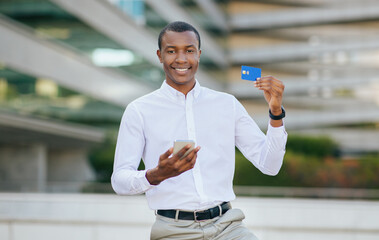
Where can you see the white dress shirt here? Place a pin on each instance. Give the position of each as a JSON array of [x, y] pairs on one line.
[[215, 121]]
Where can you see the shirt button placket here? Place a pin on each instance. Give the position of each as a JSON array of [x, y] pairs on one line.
[[192, 135]]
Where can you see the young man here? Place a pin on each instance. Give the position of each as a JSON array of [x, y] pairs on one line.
[[191, 194]]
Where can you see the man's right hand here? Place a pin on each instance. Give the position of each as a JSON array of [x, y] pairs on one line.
[[172, 166]]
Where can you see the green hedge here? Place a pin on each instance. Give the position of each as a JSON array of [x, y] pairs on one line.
[[313, 149], [320, 147], [309, 170]]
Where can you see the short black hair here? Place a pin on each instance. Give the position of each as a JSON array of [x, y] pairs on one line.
[[177, 26]]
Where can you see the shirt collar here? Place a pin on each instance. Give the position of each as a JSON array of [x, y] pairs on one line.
[[172, 92]]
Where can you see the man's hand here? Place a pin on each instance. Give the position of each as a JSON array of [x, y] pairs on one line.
[[273, 91], [172, 166]]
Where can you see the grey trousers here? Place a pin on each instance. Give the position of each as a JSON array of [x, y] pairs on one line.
[[227, 227]]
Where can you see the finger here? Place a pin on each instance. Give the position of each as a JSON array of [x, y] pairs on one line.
[[193, 153], [262, 82], [268, 77], [188, 163], [191, 163], [166, 154], [268, 80], [270, 86], [182, 151], [272, 82]]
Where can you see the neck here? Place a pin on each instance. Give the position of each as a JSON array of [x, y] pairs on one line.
[[183, 88]]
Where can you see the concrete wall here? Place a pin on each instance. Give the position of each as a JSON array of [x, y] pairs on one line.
[[68, 170], [38, 168], [23, 167], [108, 217]]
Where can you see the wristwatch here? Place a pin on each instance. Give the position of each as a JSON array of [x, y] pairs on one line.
[[278, 117]]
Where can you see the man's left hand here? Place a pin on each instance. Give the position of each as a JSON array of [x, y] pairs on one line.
[[273, 92]]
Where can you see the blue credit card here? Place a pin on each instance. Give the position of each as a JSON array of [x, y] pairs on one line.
[[250, 73]]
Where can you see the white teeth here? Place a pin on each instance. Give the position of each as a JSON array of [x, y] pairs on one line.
[[181, 69]]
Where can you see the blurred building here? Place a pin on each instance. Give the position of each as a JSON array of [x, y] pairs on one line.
[[40, 155], [83, 61]]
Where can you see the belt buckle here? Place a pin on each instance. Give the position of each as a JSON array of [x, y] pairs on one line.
[[195, 216]]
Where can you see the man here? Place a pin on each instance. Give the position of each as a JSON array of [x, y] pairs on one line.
[[191, 194]]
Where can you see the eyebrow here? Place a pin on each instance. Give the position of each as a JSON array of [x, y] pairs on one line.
[[188, 46]]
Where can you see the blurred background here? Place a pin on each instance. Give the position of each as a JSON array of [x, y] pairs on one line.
[[68, 69]]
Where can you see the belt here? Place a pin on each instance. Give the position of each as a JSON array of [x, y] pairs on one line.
[[196, 215]]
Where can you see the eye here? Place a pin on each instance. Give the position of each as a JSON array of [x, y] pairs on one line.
[[190, 51], [171, 51]]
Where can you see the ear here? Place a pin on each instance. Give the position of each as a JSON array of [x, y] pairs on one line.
[[199, 54], [159, 55]]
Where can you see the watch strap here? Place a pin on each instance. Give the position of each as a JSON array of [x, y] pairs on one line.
[[277, 117]]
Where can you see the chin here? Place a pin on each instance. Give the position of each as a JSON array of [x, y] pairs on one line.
[[183, 82]]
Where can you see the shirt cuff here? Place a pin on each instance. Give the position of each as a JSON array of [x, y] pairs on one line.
[[276, 131], [144, 183]]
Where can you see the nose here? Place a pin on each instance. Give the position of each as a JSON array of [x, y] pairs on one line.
[[181, 57]]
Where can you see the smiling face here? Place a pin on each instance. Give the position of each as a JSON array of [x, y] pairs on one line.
[[180, 55]]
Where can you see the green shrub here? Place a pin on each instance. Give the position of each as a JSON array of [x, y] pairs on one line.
[[300, 170], [102, 159], [300, 149], [247, 174], [312, 146]]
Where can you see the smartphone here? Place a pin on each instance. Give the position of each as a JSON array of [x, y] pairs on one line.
[[179, 144]]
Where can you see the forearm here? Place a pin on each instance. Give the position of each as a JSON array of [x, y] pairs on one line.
[[276, 123], [273, 150], [129, 182]]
